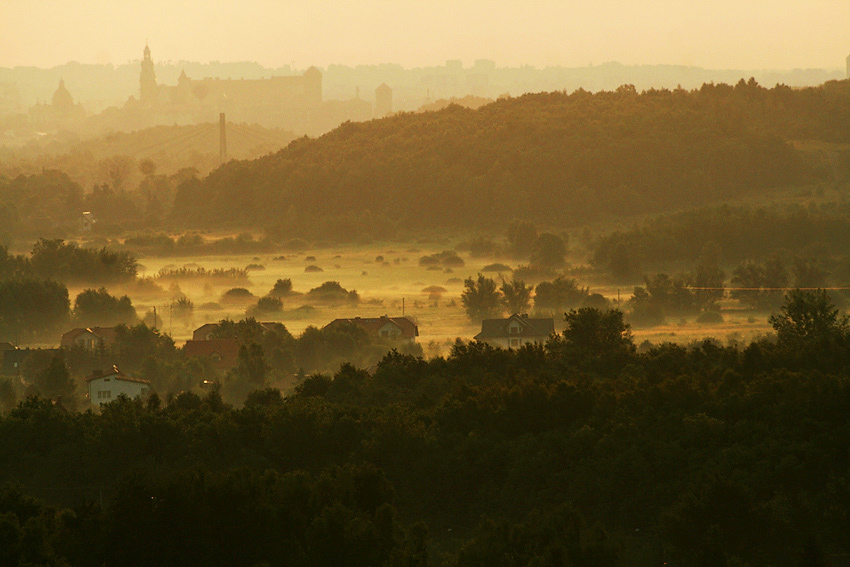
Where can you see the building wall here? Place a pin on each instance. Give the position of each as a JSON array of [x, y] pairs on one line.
[[514, 342], [115, 388], [88, 341]]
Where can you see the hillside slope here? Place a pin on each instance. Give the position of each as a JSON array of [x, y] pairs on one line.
[[553, 157]]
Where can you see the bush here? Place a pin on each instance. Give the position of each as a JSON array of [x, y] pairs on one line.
[[709, 318], [446, 258], [236, 295], [282, 288], [333, 292]]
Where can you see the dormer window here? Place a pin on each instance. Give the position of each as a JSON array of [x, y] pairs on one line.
[[513, 329]]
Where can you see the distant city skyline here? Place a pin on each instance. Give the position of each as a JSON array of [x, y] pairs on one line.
[[717, 34]]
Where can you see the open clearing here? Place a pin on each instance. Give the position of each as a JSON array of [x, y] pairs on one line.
[[389, 280]]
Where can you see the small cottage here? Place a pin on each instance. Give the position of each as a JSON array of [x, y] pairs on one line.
[[103, 387], [515, 331], [393, 328], [90, 338], [224, 353]]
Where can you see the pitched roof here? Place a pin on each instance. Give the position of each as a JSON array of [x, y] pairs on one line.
[[117, 374], [498, 328], [106, 334], [225, 351], [372, 325], [202, 332]]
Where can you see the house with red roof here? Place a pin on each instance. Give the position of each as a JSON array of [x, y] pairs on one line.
[[393, 328], [89, 338], [224, 353]]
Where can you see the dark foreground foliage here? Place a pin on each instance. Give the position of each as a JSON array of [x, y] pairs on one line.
[[582, 452]]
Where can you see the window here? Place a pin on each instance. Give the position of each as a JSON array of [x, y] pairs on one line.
[[145, 391], [514, 343], [513, 329], [104, 394]]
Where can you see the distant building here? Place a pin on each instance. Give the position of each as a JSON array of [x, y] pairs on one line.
[[383, 101], [393, 328], [224, 353], [89, 338], [205, 332], [60, 113], [848, 66], [148, 90], [15, 358], [87, 221], [103, 387], [515, 331], [282, 101]]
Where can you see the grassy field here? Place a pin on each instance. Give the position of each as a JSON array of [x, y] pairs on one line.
[[389, 280]]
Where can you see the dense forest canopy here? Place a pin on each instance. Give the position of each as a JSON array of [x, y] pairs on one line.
[[580, 452], [555, 157]]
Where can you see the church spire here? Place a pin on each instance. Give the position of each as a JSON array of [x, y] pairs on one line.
[[147, 79]]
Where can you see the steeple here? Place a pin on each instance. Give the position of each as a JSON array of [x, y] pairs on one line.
[[62, 98], [147, 79]]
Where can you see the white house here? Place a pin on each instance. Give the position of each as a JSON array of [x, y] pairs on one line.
[[106, 386]]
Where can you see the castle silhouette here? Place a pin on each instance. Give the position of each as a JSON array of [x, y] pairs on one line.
[[291, 102]]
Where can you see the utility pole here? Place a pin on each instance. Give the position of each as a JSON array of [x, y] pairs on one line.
[[222, 138]]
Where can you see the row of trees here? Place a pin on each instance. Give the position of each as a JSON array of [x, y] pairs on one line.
[[732, 236], [40, 310], [67, 262], [483, 298], [580, 451]]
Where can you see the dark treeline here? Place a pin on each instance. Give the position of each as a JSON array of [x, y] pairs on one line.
[[34, 301], [555, 157], [579, 452], [731, 235]]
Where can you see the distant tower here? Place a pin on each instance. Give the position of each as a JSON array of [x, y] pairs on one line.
[[313, 86], [62, 98], [147, 79], [383, 101]]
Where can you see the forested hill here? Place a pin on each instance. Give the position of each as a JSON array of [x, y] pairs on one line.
[[550, 156]]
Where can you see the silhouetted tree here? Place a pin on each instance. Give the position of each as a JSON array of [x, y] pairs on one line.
[[98, 308], [480, 298], [548, 251], [516, 296], [808, 316]]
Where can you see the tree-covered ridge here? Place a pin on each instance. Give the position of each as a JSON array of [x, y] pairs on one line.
[[580, 452], [553, 156]]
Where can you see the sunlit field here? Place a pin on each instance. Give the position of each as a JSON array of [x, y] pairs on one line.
[[389, 280]]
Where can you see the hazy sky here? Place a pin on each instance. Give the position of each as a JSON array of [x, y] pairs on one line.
[[743, 34]]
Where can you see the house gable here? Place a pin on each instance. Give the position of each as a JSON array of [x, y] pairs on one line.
[[104, 387], [515, 331], [385, 327]]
